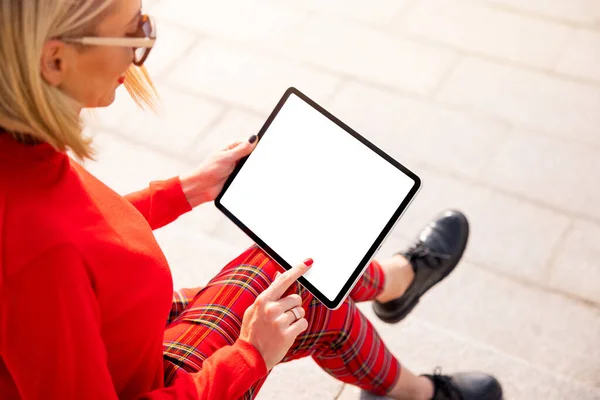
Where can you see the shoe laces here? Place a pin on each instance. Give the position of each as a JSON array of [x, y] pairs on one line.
[[445, 388], [420, 251]]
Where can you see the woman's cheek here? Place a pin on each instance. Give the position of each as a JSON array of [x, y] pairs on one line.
[[128, 58]]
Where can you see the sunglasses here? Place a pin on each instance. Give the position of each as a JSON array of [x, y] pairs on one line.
[[141, 44]]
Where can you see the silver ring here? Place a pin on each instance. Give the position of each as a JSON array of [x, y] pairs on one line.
[[296, 313]]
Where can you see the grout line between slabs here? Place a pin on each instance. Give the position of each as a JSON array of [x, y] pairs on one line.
[[550, 265], [340, 391], [538, 15], [432, 94]]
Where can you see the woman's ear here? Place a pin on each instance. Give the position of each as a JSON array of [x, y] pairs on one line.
[[52, 65]]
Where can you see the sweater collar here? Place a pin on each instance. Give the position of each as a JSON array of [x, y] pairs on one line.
[[13, 150]]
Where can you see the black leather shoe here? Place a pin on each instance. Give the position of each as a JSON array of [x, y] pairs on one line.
[[465, 386], [437, 251]]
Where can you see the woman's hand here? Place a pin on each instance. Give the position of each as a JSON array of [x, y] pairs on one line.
[[205, 184], [272, 324]]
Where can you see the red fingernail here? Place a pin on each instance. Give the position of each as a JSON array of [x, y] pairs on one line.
[[122, 80], [308, 262]]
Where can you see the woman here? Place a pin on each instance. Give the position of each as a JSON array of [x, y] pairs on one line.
[[85, 290]]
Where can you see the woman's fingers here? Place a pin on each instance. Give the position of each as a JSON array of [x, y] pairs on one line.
[[297, 327], [290, 316], [271, 323], [289, 302], [231, 146], [295, 314], [276, 308], [285, 280], [238, 150]]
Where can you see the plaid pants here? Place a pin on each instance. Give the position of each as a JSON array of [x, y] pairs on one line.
[[342, 342]]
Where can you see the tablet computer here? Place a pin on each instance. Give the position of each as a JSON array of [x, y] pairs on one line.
[[313, 187]]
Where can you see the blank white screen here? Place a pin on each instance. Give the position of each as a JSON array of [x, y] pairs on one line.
[[310, 189]]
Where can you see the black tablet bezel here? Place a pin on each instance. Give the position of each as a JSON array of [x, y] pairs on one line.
[[332, 304]]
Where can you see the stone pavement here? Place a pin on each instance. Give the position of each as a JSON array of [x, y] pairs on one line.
[[494, 103]]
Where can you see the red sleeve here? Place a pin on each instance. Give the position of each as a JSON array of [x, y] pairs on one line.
[[51, 344], [227, 374], [161, 203]]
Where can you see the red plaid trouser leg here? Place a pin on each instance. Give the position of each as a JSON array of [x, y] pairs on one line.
[[343, 342]]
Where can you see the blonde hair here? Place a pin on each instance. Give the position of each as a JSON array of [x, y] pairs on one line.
[[30, 107]]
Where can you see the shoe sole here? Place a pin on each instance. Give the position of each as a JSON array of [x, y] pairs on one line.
[[401, 314]]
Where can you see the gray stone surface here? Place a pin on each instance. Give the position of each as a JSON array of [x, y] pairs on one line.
[[235, 125], [410, 66], [260, 23], [475, 27], [179, 121], [378, 12], [195, 257], [126, 166], [581, 54], [543, 103], [563, 175], [422, 346], [576, 268], [250, 80], [416, 130], [494, 103], [548, 330], [583, 12], [299, 379], [508, 235]]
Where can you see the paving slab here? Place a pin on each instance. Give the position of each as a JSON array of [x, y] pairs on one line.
[[172, 129], [378, 12], [239, 76], [128, 166], [581, 54], [476, 27], [423, 346], [550, 171], [576, 268], [410, 66], [585, 12], [559, 107], [226, 231], [250, 22], [410, 129], [233, 126], [194, 256], [507, 234], [299, 379], [548, 330]]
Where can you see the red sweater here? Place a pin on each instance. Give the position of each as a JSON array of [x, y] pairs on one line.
[[85, 290]]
